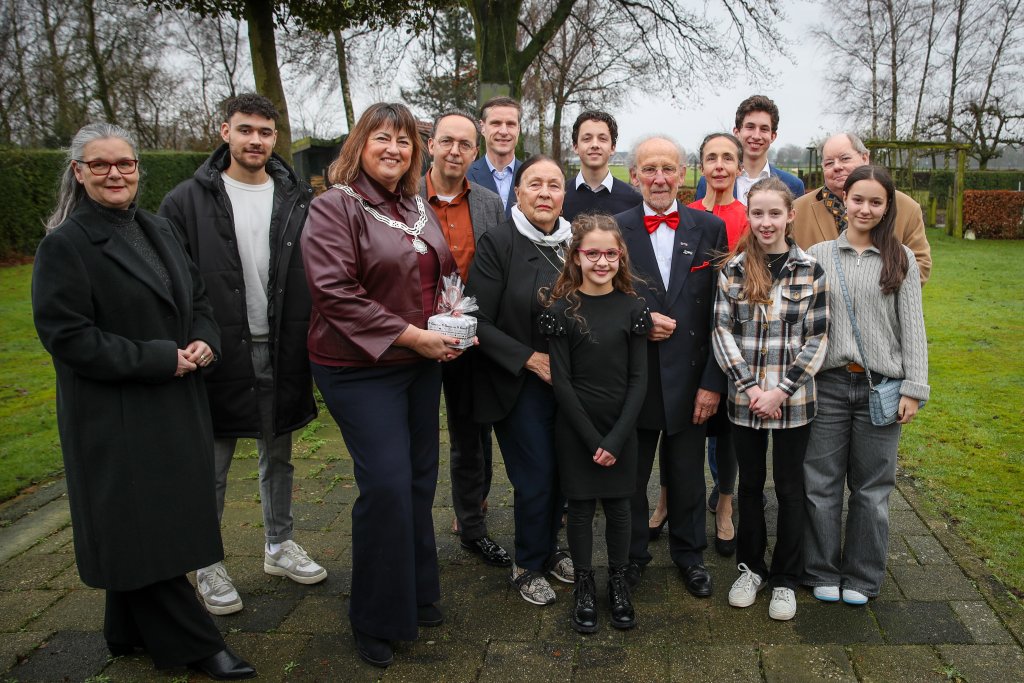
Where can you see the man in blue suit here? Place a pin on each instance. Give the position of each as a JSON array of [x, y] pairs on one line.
[[757, 126], [673, 248], [499, 121]]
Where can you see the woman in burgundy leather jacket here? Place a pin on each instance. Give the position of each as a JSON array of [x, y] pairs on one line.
[[374, 254]]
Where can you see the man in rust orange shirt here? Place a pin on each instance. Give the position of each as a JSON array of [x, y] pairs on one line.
[[466, 211]]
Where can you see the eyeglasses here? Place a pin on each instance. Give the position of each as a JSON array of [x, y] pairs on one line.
[[100, 167], [447, 143], [652, 171], [594, 255]]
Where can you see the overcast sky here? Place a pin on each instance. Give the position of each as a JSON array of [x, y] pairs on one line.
[[798, 89]]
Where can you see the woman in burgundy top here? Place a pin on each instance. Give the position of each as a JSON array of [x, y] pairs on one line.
[[374, 254]]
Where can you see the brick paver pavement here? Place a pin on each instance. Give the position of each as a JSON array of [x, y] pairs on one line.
[[940, 616]]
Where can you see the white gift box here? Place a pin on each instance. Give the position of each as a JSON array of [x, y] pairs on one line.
[[462, 327]]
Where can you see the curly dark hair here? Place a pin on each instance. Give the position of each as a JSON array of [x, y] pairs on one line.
[[757, 103], [251, 103], [600, 116]]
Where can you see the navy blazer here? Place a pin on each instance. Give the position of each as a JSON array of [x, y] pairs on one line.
[[795, 185], [480, 174], [684, 362]]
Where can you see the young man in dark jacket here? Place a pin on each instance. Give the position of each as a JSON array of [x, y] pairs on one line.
[[241, 215]]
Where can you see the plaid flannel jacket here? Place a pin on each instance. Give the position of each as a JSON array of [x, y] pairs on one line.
[[781, 343]]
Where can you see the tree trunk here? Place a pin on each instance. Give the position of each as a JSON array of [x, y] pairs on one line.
[[64, 127], [874, 72], [102, 86], [346, 89], [496, 25], [893, 67], [915, 129], [263, 48], [954, 76]]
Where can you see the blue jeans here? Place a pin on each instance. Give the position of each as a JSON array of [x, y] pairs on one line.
[[845, 447], [275, 456]]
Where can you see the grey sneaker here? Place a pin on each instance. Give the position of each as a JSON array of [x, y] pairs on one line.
[[292, 561], [561, 567], [783, 604], [744, 591], [532, 586], [216, 590]]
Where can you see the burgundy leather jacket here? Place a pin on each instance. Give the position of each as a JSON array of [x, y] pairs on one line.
[[363, 276]]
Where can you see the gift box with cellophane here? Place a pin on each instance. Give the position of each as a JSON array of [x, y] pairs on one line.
[[452, 307]]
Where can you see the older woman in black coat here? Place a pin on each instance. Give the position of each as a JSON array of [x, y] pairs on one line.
[[122, 310]]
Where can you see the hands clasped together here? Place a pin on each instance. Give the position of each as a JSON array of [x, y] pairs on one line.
[[197, 354]]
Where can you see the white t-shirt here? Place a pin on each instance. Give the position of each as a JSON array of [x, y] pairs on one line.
[[252, 206]]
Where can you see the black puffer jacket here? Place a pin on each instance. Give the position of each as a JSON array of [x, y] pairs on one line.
[[200, 208]]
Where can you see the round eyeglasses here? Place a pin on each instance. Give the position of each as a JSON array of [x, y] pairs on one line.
[[594, 255]]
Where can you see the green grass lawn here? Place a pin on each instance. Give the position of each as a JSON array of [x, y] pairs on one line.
[[965, 448], [29, 448]]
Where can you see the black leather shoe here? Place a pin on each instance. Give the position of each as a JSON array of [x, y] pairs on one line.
[[375, 651], [584, 610], [225, 666], [697, 580], [623, 616], [490, 552], [634, 572], [724, 547], [429, 616]]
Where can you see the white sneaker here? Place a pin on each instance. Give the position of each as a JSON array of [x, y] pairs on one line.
[[852, 597], [783, 604], [744, 591], [292, 561], [216, 590], [827, 593]]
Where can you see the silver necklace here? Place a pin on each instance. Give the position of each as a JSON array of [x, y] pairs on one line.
[[550, 262], [419, 245]]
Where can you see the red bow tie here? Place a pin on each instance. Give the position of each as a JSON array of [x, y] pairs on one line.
[[669, 219]]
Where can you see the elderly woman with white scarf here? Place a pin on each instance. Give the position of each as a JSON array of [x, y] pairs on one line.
[[513, 380]]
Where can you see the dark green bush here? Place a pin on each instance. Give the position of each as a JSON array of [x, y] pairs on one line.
[[30, 186], [940, 183]]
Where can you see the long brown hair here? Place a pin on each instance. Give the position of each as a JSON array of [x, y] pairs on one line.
[[569, 281], [883, 236], [393, 115], [757, 280]]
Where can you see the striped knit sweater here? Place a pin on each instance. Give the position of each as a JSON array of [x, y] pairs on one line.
[[891, 326]]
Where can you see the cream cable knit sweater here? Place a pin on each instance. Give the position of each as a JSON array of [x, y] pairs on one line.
[[891, 327]]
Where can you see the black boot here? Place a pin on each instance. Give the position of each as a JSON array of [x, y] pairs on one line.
[[584, 611], [623, 615]]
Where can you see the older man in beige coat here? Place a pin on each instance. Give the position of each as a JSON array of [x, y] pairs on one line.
[[821, 215]]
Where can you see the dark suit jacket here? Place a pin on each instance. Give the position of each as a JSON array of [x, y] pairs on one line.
[[480, 174], [507, 273], [683, 363], [795, 185], [622, 197], [485, 208]]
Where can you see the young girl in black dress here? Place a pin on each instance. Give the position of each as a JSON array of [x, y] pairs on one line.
[[597, 328]]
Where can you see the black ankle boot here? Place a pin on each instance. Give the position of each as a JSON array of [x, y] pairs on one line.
[[584, 611], [623, 615]]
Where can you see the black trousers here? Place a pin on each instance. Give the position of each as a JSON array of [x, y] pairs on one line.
[[166, 619], [682, 461], [470, 455], [788, 447], [389, 420], [579, 531]]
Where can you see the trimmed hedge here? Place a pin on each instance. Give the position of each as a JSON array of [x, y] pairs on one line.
[[31, 177], [994, 214], [940, 183]]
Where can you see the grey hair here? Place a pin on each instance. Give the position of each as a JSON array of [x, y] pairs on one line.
[[69, 191], [631, 158], [456, 112], [858, 145]]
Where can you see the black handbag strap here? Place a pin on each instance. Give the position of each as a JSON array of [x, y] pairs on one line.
[[849, 309]]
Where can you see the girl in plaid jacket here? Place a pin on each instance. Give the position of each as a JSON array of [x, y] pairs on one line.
[[771, 322]]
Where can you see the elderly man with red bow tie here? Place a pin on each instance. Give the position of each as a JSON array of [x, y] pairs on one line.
[[673, 249]]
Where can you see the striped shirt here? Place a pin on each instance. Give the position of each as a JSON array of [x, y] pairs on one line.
[[778, 344]]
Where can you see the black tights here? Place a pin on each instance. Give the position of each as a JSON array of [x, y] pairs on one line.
[[579, 530]]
